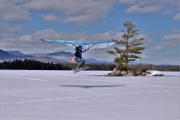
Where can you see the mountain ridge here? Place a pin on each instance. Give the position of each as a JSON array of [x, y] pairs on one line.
[[56, 57]]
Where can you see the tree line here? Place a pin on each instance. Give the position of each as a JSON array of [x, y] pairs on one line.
[[31, 64]]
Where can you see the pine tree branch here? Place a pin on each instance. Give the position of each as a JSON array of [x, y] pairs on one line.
[[111, 52], [120, 42], [134, 56]]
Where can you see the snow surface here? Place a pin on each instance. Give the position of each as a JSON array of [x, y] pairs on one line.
[[87, 95]]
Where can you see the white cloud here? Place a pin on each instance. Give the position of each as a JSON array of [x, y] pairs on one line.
[[144, 9], [14, 29], [51, 34], [9, 40], [7, 43], [174, 2], [128, 1], [144, 6], [104, 36], [165, 12], [17, 1], [152, 2], [51, 18], [172, 37], [25, 38], [80, 20], [158, 47], [175, 31], [32, 43], [145, 56], [149, 2], [12, 12], [3, 25], [5, 35], [80, 11], [176, 17]]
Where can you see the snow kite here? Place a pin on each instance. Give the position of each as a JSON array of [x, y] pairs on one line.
[[85, 45]]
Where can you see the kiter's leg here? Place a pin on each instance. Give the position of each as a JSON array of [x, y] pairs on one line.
[[83, 62], [80, 62]]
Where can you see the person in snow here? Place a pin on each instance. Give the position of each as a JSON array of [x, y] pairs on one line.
[[80, 61]]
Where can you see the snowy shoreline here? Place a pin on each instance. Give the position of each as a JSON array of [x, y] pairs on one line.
[[95, 72]]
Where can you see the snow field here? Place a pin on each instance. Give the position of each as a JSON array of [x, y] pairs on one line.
[[87, 95]]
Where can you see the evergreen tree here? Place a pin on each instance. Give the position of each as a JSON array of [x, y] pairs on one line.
[[130, 46]]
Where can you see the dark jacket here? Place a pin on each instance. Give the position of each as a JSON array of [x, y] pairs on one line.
[[78, 53]]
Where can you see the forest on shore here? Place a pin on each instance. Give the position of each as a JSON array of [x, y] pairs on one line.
[[31, 64]]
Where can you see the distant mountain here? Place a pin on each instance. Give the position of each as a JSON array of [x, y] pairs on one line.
[[16, 53], [61, 54], [165, 64], [91, 60], [5, 55], [56, 57]]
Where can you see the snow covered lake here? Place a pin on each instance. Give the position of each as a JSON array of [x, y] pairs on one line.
[[87, 95]]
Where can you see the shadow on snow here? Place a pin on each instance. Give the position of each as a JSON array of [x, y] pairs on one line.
[[91, 86]]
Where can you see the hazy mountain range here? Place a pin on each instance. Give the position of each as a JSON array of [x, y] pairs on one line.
[[56, 57]]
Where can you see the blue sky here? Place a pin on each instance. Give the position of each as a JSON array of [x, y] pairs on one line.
[[24, 22]]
